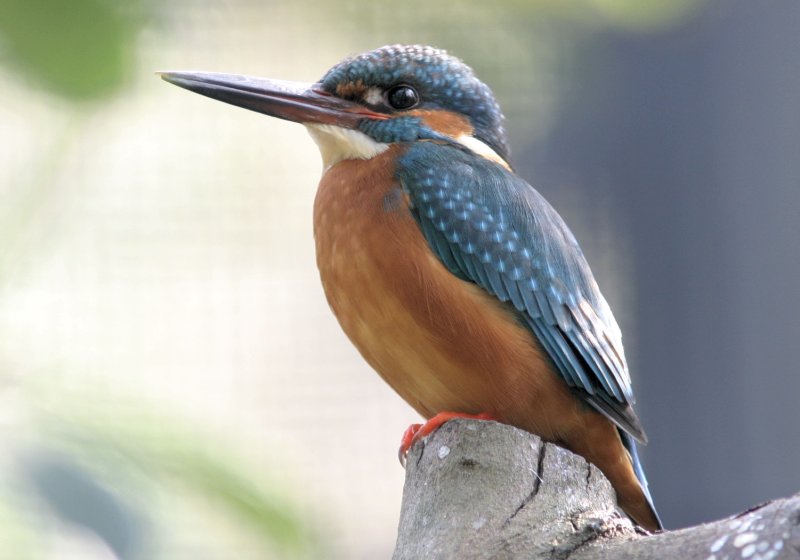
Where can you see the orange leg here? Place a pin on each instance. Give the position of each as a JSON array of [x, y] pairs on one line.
[[416, 432]]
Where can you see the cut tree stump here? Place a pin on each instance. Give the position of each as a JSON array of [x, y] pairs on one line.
[[480, 490]]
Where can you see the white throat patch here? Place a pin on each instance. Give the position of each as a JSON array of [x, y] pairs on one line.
[[337, 144]]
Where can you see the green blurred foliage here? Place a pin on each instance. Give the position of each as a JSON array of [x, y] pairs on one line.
[[78, 49], [133, 458], [84, 49]]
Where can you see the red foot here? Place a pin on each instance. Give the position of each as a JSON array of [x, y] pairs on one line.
[[416, 432]]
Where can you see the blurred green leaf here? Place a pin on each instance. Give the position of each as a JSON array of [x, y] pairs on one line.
[[79, 49], [16, 534], [117, 446]]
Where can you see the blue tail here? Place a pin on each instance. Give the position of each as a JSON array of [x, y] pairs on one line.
[[630, 445]]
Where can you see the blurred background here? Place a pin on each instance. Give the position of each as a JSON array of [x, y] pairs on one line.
[[172, 383]]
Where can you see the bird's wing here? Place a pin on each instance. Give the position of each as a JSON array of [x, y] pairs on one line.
[[490, 227]]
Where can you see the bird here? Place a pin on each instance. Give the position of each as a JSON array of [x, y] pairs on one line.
[[455, 279]]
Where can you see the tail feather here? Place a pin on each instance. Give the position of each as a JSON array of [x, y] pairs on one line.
[[654, 523]]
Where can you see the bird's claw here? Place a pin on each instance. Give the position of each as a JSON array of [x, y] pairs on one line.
[[416, 432], [408, 439]]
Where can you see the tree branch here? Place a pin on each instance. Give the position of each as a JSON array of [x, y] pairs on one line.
[[479, 490]]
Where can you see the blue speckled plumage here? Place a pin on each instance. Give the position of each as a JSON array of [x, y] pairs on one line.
[[400, 129], [490, 227]]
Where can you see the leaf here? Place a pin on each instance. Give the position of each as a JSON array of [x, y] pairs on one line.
[[79, 49]]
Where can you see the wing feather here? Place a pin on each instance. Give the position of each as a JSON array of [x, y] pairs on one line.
[[490, 227]]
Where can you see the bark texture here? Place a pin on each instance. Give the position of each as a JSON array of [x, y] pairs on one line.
[[483, 490]]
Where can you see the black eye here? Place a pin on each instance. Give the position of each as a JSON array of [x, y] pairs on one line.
[[402, 97]]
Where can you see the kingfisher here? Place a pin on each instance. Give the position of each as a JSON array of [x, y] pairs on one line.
[[455, 279]]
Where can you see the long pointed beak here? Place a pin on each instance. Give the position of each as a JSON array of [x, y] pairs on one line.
[[293, 101]]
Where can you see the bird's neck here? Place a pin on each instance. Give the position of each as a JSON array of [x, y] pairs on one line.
[[338, 144]]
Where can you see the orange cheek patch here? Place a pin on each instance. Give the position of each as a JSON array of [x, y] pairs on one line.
[[445, 122], [351, 90]]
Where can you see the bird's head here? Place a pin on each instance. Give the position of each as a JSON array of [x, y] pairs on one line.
[[394, 94]]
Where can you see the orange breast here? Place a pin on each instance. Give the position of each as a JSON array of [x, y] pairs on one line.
[[444, 344], [440, 342]]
